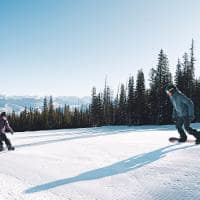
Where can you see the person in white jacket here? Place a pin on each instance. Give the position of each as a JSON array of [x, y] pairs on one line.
[[4, 125]]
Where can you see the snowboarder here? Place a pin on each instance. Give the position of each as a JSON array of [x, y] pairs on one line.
[[4, 125], [183, 113]]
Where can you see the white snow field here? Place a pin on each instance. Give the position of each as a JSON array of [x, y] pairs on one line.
[[106, 163]]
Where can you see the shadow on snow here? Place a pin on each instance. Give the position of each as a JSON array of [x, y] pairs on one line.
[[91, 132], [121, 167]]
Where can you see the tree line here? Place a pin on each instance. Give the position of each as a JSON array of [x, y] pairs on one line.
[[49, 117], [134, 103]]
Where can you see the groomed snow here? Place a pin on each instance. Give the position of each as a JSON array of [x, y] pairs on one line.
[[107, 163]]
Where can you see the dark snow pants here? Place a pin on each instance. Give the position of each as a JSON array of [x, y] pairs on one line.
[[3, 138], [186, 122]]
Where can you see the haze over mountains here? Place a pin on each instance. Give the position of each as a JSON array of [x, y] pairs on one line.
[[18, 103]]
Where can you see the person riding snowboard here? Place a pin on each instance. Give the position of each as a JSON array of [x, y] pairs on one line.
[[4, 125], [183, 113]]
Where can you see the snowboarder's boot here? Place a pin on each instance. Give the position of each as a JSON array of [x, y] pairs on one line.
[[11, 148], [197, 140], [197, 136], [1, 148], [182, 139]]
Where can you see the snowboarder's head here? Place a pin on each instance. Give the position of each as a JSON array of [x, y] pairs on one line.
[[170, 89], [3, 114]]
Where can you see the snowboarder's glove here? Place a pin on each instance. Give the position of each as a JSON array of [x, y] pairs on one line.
[[12, 132]]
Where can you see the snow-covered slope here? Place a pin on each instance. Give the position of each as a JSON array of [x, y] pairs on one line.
[[108, 163]]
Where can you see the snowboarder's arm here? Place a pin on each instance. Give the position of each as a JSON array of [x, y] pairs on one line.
[[190, 106], [8, 127], [174, 114]]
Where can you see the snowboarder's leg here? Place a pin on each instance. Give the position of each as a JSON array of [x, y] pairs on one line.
[[7, 141], [1, 147], [190, 130], [179, 126], [1, 143]]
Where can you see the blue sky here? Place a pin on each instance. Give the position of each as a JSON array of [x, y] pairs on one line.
[[64, 47]]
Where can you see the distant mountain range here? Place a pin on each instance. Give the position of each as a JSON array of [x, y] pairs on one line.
[[18, 103]]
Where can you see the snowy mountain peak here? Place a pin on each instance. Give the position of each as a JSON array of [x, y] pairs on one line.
[[18, 103]]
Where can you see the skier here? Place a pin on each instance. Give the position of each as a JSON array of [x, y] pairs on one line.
[[4, 125], [183, 113]]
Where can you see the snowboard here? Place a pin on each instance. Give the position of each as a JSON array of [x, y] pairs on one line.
[[175, 139]]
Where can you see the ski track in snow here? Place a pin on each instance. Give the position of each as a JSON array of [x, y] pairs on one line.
[[106, 163]]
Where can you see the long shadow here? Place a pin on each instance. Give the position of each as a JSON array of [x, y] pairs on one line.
[[89, 133], [82, 135], [104, 130], [67, 133], [111, 170], [54, 141]]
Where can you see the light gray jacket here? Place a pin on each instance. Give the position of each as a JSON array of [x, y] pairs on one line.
[[182, 105]]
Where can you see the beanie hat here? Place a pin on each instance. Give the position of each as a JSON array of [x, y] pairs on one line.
[[3, 114], [171, 88]]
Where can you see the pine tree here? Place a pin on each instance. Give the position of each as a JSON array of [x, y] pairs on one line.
[[94, 108], [140, 104], [186, 66], [122, 106], [188, 74], [30, 119], [100, 111], [191, 71], [131, 101], [116, 109], [51, 113], [152, 97], [37, 120], [45, 124], [179, 78], [107, 105], [192, 59], [66, 117], [162, 78]]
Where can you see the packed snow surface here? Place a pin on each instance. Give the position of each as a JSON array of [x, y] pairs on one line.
[[105, 163]]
